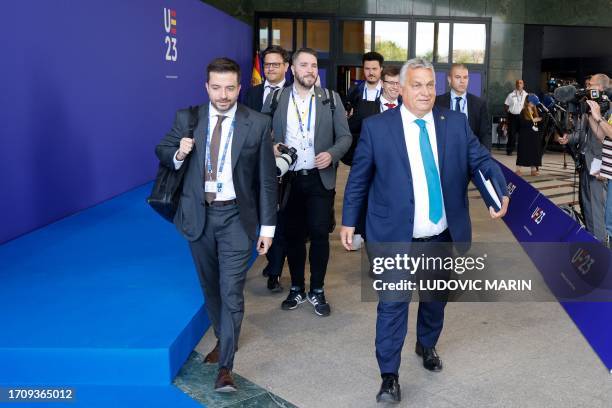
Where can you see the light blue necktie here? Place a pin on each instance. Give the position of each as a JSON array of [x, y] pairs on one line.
[[434, 189]]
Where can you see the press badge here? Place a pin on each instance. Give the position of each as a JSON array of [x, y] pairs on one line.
[[213, 187]]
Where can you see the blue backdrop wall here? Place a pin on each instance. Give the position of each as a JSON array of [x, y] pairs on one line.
[[89, 88]]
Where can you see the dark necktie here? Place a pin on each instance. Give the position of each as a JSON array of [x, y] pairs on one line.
[[215, 143], [458, 103], [390, 105], [268, 100]]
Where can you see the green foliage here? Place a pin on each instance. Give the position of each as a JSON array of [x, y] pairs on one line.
[[391, 51]]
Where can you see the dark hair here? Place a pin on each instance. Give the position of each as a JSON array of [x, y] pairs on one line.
[[391, 70], [372, 56], [304, 50], [275, 49], [223, 64], [456, 65]]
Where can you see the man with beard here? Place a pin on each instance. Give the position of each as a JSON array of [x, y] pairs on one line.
[[229, 189], [363, 99], [306, 121]]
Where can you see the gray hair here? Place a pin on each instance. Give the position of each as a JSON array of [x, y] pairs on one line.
[[601, 79], [415, 63]]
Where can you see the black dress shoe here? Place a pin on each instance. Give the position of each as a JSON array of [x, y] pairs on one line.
[[431, 359], [389, 389], [274, 284]]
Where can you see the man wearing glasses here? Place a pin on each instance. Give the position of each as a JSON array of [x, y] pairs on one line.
[[259, 98], [390, 97], [275, 64]]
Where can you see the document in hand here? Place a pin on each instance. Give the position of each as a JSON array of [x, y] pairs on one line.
[[492, 194]]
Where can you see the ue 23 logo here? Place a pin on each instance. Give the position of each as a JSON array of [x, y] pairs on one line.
[[170, 39]]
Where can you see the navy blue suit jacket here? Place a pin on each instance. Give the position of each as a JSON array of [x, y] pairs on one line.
[[381, 175]]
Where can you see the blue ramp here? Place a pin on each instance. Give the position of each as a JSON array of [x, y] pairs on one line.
[[108, 296]]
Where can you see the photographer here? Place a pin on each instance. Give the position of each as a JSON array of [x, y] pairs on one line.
[[587, 138], [313, 122], [603, 132]]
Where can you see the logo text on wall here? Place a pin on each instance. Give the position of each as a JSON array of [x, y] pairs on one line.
[[170, 39]]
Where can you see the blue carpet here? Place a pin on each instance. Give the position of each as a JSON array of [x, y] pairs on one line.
[[108, 296]]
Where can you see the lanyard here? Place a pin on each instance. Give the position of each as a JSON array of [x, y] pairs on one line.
[[297, 111], [365, 92], [227, 142]]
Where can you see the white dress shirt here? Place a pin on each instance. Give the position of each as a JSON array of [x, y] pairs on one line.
[[225, 176], [268, 88], [423, 227], [303, 142], [383, 100], [371, 94], [462, 103], [515, 101]]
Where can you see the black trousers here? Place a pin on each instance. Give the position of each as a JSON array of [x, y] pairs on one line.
[[308, 214], [278, 251], [514, 124]]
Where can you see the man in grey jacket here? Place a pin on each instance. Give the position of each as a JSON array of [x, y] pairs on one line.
[[308, 120], [229, 190]]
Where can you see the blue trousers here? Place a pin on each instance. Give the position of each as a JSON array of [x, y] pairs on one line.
[[392, 326]]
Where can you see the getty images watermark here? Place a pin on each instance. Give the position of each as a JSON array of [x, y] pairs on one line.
[[486, 272]]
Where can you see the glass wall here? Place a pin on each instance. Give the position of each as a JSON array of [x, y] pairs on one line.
[[469, 43], [391, 39], [341, 42]]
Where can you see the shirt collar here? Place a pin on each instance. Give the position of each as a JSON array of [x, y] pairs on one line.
[[310, 92], [378, 85], [384, 100], [281, 84], [410, 117], [230, 113], [454, 95]]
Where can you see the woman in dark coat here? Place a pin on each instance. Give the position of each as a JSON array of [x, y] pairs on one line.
[[530, 139]]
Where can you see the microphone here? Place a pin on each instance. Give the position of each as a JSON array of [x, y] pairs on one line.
[[533, 98], [548, 101], [565, 93]]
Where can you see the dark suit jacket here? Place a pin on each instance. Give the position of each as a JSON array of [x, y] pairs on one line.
[[253, 171], [254, 96], [478, 116], [332, 133], [381, 175]]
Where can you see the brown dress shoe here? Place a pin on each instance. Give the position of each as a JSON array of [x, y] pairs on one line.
[[213, 356], [225, 381]]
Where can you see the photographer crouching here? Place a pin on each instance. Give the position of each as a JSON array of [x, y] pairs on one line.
[[586, 142]]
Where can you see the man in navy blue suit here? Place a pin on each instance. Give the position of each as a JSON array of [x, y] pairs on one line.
[[413, 164]]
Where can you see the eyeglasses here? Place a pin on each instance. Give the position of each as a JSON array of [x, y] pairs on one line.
[[392, 83], [275, 65]]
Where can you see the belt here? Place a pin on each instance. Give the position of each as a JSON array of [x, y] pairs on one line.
[[431, 238], [221, 203], [304, 172]]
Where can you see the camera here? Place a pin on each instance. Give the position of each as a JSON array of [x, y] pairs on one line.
[[574, 99], [288, 156]]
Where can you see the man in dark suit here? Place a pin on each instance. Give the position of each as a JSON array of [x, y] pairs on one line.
[[259, 98], [475, 108], [305, 121], [228, 191], [275, 65], [413, 165]]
